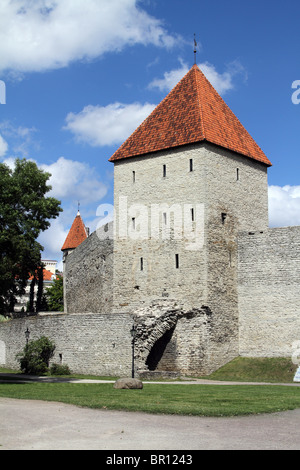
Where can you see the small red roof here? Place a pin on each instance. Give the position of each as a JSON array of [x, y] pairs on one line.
[[192, 112], [47, 275], [76, 235]]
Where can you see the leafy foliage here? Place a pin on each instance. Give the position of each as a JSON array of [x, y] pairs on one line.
[[59, 369], [55, 295], [24, 214], [36, 356]]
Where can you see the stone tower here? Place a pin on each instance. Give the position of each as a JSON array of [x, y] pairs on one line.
[[77, 234], [185, 183]]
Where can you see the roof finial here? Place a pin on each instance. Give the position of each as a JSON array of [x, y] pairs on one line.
[[78, 213], [195, 49]]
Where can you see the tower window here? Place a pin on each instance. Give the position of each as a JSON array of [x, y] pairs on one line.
[[165, 218], [133, 223], [164, 171], [191, 164], [142, 264], [133, 176], [237, 174], [192, 214], [177, 261], [223, 217]]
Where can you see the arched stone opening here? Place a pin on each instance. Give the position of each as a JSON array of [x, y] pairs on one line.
[[157, 344], [162, 354]]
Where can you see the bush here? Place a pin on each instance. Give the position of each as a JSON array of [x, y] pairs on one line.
[[59, 369], [36, 356], [3, 318]]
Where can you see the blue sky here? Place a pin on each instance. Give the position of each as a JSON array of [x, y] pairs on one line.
[[81, 75]]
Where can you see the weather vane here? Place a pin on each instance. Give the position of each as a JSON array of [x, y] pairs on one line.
[[195, 49]]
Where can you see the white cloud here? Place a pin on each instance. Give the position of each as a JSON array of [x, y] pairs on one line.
[[73, 181], [53, 239], [20, 138], [222, 82], [170, 78], [108, 125], [3, 146], [46, 34], [284, 206]]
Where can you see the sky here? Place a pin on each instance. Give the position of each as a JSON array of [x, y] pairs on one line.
[[77, 77]]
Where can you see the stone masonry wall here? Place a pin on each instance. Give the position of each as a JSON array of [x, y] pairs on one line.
[[157, 204], [269, 293], [170, 339], [227, 193], [88, 274], [237, 199], [87, 343], [165, 181]]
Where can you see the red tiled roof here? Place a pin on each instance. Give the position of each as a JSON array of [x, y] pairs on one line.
[[47, 275], [76, 235], [192, 112]]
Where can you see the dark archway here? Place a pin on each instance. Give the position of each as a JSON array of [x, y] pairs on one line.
[[158, 350]]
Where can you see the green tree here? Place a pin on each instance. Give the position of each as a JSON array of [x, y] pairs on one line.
[[55, 295], [24, 213]]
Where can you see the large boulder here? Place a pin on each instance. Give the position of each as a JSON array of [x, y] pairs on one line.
[[128, 383]]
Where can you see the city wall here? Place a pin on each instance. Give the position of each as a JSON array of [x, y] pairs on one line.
[[88, 274], [268, 291], [88, 343]]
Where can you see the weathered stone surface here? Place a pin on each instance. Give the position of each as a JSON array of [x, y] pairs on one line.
[[88, 275], [128, 383], [89, 343], [268, 291]]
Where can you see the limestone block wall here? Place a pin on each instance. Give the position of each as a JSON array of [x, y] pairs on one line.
[[88, 274], [153, 200], [170, 339], [218, 193], [152, 259], [237, 199], [87, 343], [269, 294]]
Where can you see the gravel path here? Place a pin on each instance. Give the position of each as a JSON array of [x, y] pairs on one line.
[[38, 425]]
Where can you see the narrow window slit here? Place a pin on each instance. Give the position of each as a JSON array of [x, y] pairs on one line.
[[223, 217]]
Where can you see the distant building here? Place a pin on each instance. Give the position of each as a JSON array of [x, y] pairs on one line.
[[49, 274]]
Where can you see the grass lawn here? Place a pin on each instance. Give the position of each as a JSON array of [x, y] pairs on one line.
[[264, 369], [200, 400]]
